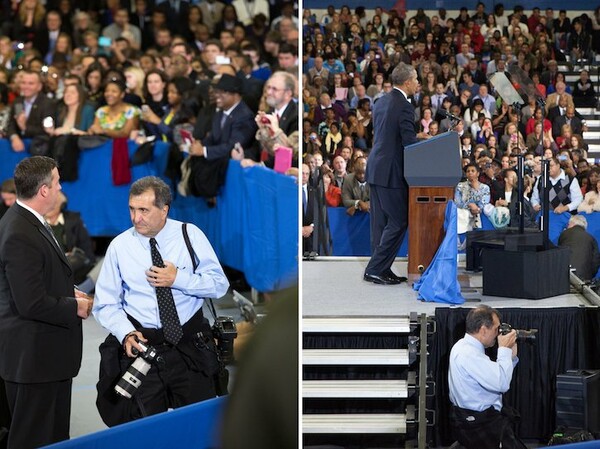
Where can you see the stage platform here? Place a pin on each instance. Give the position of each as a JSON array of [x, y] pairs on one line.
[[335, 287]]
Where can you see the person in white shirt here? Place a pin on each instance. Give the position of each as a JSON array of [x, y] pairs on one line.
[[476, 383]]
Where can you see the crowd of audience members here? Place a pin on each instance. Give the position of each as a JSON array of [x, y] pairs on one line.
[[347, 61], [147, 70]]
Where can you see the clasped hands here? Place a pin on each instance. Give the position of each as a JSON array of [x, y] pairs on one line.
[[84, 304], [161, 277], [363, 206], [197, 149]]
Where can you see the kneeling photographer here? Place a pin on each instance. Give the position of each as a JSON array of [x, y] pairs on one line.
[[149, 295], [479, 418]]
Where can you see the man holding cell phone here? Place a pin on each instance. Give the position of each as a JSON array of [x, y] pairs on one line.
[[29, 111]]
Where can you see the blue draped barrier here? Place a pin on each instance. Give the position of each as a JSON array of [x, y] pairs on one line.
[[196, 426], [351, 236], [253, 228]]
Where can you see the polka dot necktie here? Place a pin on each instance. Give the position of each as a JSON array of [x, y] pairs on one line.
[[166, 305]]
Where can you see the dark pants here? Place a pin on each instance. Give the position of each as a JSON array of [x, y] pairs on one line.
[[487, 429], [174, 383], [389, 221], [40, 412]]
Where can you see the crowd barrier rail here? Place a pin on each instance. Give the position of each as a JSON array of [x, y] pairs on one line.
[[195, 426], [351, 235]]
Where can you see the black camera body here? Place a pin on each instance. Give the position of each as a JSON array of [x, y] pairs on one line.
[[529, 334], [225, 331], [131, 380]]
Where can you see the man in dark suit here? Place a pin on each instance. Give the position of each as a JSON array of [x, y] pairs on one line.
[[393, 129], [142, 19], [585, 257], [45, 39], [71, 233], [40, 314], [177, 13], [8, 195], [29, 111], [569, 118], [308, 206], [280, 93], [277, 127], [234, 123]]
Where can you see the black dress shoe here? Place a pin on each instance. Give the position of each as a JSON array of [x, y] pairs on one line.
[[392, 275], [380, 279]]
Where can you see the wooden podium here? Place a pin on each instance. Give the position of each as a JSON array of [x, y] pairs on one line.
[[432, 169]]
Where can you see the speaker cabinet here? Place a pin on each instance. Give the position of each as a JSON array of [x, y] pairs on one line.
[[526, 274]]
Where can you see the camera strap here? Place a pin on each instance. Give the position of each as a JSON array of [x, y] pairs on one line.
[[188, 243]]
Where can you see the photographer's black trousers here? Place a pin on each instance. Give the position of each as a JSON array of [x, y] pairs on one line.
[[172, 384], [487, 429], [185, 375]]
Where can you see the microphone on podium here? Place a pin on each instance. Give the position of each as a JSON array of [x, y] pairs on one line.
[[450, 115]]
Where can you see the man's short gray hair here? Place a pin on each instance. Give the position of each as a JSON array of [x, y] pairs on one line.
[[578, 220], [162, 192], [402, 73]]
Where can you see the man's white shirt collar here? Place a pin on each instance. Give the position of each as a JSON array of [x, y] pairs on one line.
[[403, 93], [34, 212]]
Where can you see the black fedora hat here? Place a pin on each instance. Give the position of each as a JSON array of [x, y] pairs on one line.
[[229, 83]]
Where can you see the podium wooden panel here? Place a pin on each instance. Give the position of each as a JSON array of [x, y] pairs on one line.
[[426, 213], [432, 169]]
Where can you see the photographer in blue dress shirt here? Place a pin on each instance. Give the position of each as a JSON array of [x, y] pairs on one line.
[[126, 299], [477, 383]]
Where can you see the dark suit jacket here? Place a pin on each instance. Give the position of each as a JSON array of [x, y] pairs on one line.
[[3, 209], [175, 21], [288, 122], [393, 128], [558, 123], [42, 107], [308, 217], [40, 333], [76, 234], [251, 91], [585, 257], [41, 41], [239, 127]]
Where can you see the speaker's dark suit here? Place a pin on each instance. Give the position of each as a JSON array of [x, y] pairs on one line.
[[393, 129], [42, 107], [40, 333], [239, 127]]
